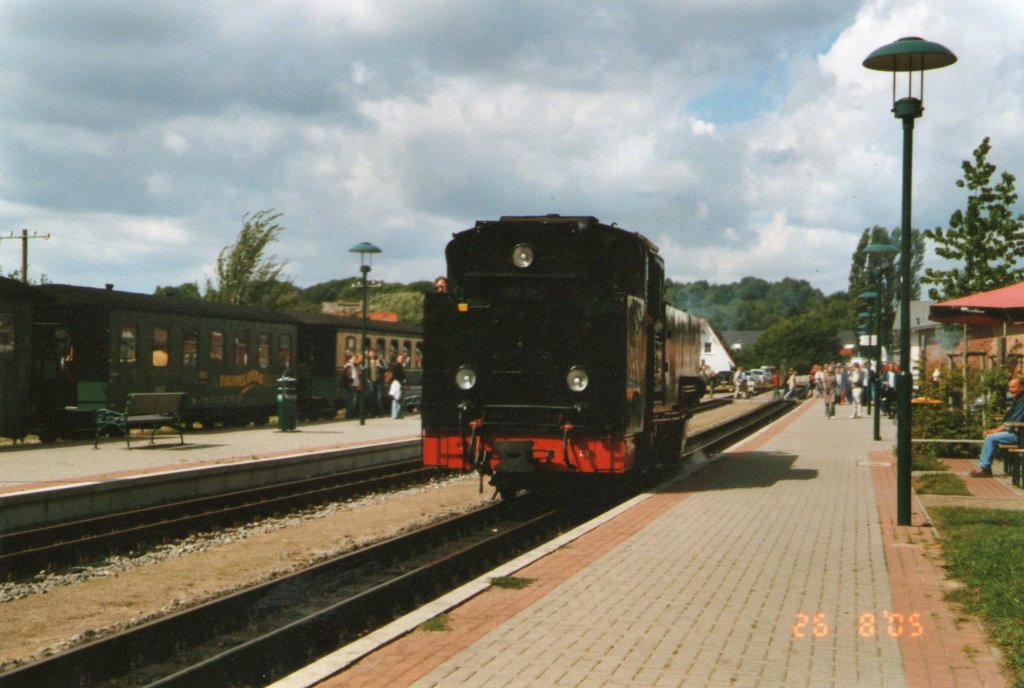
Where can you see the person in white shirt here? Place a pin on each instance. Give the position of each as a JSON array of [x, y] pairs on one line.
[[395, 392]]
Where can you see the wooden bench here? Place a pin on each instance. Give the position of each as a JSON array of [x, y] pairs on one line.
[[153, 410], [1012, 464]]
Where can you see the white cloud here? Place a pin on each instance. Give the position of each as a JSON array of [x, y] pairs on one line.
[[743, 136]]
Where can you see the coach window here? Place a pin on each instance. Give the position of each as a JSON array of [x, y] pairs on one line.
[[129, 352], [407, 351], [190, 348], [242, 349], [263, 349], [160, 344], [418, 360], [350, 344], [216, 346], [6, 333], [393, 351], [284, 350]]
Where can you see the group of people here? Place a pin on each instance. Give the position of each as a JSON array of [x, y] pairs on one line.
[[379, 384], [841, 384]]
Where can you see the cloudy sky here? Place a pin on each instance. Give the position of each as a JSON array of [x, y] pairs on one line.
[[742, 136]]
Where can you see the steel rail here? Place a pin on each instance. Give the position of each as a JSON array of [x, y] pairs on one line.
[[46, 548]]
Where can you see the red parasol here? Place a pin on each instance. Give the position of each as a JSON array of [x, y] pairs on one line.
[[1004, 305]]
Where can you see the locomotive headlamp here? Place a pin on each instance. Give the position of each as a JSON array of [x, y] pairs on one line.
[[522, 256], [465, 378], [577, 379]]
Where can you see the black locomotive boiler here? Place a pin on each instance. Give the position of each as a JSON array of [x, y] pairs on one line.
[[553, 352]]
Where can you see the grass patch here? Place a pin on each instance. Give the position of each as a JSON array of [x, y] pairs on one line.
[[512, 582], [940, 484], [441, 622], [984, 548]]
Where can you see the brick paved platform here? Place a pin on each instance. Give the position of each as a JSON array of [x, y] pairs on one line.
[[778, 565]]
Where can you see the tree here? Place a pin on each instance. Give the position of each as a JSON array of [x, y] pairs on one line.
[[244, 276], [880, 273], [799, 342], [986, 237], [186, 290]]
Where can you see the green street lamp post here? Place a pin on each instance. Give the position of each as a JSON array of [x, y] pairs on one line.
[[876, 389], [365, 251], [906, 55]]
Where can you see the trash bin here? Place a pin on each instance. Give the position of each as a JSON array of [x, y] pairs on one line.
[[287, 401]]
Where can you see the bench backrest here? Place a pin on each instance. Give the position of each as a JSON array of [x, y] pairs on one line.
[[154, 403]]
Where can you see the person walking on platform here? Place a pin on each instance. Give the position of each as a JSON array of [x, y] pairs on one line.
[[829, 390], [790, 384], [1001, 434], [856, 380]]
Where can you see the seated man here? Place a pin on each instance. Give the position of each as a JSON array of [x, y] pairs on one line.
[[1001, 434]]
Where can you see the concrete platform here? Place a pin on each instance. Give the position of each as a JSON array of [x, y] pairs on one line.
[[778, 565], [35, 466]]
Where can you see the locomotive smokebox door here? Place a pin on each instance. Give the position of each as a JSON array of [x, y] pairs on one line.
[[516, 457]]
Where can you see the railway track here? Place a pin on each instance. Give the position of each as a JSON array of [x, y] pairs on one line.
[[72, 543], [26, 552], [262, 633]]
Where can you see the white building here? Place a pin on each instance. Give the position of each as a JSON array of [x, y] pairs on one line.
[[712, 351]]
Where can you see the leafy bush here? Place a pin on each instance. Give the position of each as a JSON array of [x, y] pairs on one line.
[[953, 418]]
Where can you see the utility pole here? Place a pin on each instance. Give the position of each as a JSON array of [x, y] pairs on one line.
[[24, 248]]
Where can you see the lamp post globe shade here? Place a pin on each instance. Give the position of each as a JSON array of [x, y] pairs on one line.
[[364, 248], [910, 54], [881, 248]]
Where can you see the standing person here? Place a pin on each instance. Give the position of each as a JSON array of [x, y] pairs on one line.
[[790, 384], [353, 385], [395, 394], [1001, 434], [739, 379], [828, 391], [776, 381], [856, 379], [889, 390], [398, 369], [375, 383]]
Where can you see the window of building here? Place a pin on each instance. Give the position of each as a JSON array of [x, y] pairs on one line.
[[129, 350], [284, 350], [263, 349], [190, 348], [7, 333], [242, 349], [161, 340], [707, 347], [216, 346]]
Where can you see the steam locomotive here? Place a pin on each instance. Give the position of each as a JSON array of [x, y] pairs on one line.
[[554, 354]]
